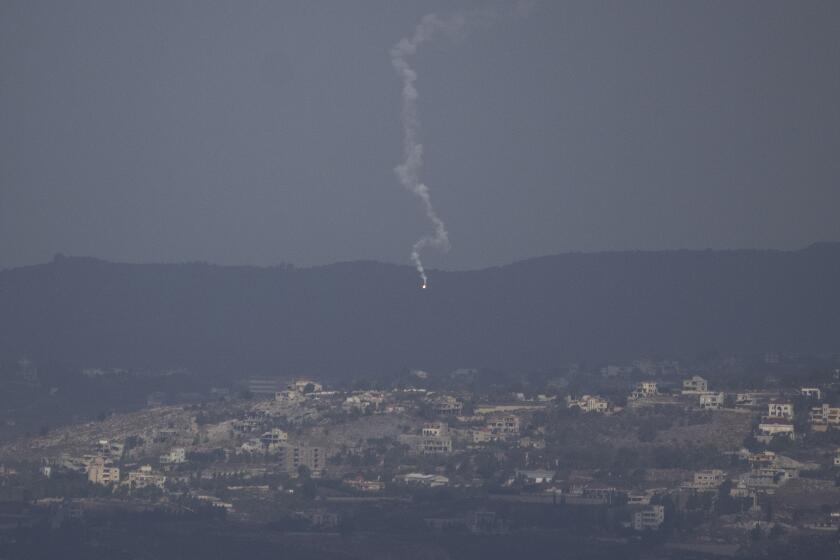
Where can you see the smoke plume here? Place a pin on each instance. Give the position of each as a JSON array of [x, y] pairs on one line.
[[409, 171]]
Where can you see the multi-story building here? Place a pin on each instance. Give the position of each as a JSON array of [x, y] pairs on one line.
[[109, 450], [708, 479], [504, 425], [823, 416], [649, 518], [590, 494], [288, 396], [695, 384], [273, 438], [434, 445], [176, 456], [771, 427], [482, 435], [590, 403], [433, 439], [447, 406], [435, 429], [780, 409], [145, 477], [644, 389], [753, 399], [293, 456], [100, 472], [537, 476], [366, 401], [304, 385], [263, 386], [811, 392], [711, 401]]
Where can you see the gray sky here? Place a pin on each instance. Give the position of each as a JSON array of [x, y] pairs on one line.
[[261, 132]]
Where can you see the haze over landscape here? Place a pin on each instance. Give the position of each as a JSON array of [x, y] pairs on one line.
[[373, 318], [268, 132], [427, 280]]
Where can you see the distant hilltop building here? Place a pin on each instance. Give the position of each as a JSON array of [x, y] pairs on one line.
[[780, 409], [711, 401], [447, 406], [823, 417], [291, 457], [176, 456], [811, 392], [695, 384], [99, 471], [649, 519], [263, 386], [434, 439], [305, 385], [145, 477], [589, 403], [644, 390], [420, 479]]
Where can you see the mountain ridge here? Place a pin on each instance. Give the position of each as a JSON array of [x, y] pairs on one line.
[[358, 317]]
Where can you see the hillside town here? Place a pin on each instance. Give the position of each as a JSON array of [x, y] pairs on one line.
[[652, 453]]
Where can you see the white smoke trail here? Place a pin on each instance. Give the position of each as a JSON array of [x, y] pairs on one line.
[[409, 170]]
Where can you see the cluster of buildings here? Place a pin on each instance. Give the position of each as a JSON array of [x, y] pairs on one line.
[[293, 432]]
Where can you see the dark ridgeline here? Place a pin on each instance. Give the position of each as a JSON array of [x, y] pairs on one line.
[[366, 317]]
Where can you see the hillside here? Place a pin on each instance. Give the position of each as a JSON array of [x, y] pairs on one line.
[[366, 317]]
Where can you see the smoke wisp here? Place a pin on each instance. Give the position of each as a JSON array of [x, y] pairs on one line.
[[409, 171]]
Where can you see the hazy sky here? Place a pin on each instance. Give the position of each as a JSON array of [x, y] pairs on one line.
[[261, 132]]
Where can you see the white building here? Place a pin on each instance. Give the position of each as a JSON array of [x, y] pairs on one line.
[[708, 479], [431, 480], [301, 385], [367, 401], [642, 498], [503, 425], [649, 518], [435, 429], [537, 476], [711, 401], [263, 386], [288, 396], [771, 427], [590, 403], [433, 439], [447, 406], [644, 389], [811, 392], [482, 435], [112, 451], [780, 409], [695, 385], [273, 437], [176, 456], [824, 415], [435, 445], [145, 477]]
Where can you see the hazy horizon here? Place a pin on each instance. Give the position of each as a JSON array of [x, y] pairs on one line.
[[269, 132], [59, 255]]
